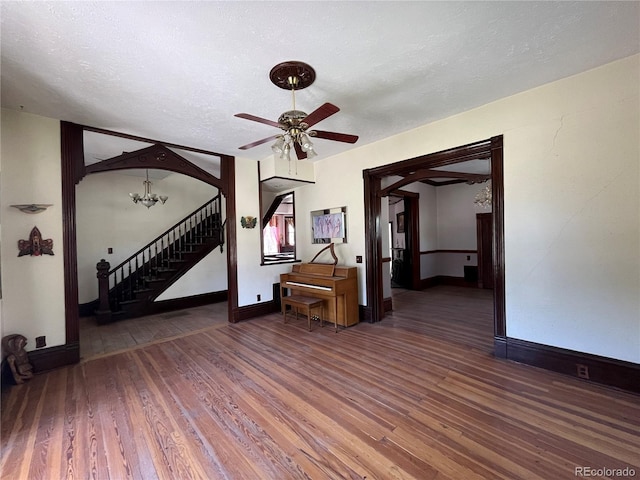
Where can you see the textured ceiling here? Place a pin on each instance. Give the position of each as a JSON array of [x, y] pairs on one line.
[[179, 71]]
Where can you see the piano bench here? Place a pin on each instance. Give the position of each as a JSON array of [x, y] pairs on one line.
[[306, 304]]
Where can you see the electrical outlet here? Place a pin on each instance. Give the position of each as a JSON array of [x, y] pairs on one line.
[[582, 371], [359, 259], [110, 250], [41, 342], [258, 297]]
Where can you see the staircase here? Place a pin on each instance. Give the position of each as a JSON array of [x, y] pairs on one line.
[[129, 290]]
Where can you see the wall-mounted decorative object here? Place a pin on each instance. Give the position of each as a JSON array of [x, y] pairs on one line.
[[33, 207], [329, 226], [400, 222], [17, 359], [248, 222], [35, 246]]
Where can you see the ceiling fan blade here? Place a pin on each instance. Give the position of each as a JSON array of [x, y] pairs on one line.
[[300, 154], [320, 113], [248, 116], [338, 137], [258, 142]]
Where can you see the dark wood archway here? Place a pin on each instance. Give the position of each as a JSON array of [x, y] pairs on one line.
[[416, 169], [158, 156]]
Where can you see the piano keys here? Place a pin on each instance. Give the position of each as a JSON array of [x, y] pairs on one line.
[[337, 286]]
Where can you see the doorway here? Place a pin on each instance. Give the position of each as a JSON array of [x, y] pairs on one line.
[[423, 168]]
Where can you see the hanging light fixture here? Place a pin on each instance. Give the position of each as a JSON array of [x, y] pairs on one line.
[[148, 199], [484, 197]]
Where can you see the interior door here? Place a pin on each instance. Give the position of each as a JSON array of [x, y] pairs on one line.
[[484, 224]]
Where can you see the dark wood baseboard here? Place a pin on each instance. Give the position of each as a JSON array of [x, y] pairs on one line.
[[387, 305], [257, 309], [446, 280], [53, 357], [607, 371], [89, 309], [364, 313], [189, 302]]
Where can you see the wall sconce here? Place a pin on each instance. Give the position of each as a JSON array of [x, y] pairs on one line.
[[248, 222], [33, 207]]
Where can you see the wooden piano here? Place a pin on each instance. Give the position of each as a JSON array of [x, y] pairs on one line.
[[337, 286]]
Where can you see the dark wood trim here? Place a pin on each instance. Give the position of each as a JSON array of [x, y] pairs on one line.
[[374, 311], [228, 174], [472, 151], [278, 177], [148, 140], [364, 313], [191, 301], [72, 165], [88, 309], [387, 304], [45, 359], [446, 280], [72, 171], [386, 259], [607, 371], [424, 173], [497, 185], [429, 252], [491, 148], [156, 156], [256, 310]]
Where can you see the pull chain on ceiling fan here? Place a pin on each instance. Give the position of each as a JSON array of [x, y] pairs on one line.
[[296, 123]]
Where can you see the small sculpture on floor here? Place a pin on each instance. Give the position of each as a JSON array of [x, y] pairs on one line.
[[16, 356]]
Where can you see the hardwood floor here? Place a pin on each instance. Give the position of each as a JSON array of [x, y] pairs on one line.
[[417, 395]]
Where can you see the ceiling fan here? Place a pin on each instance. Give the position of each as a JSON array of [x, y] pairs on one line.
[[296, 124]]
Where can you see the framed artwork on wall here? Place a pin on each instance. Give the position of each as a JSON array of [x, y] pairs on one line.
[[329, 226]]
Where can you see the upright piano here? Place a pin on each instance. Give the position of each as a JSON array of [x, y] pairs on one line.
[[337, 286]]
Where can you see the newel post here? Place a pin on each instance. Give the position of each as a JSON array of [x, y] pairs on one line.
[[103, 312]]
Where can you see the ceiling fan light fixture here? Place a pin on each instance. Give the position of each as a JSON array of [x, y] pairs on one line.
[[305, 142], [278, 147]]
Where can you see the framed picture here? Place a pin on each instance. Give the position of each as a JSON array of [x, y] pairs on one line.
[[400, 222], [329, 226]]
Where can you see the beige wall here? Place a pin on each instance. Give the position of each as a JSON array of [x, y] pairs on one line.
[[33, 287]]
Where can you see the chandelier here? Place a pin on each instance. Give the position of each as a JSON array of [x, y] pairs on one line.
[[148, 199], [484, 197]]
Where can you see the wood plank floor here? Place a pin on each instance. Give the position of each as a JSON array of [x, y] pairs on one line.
[[417, 396]]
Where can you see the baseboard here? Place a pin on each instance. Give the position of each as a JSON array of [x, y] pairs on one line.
[[189, 302], [607, 371], [387, 305], [45, 359], [364, 313], [88, 309], [256, 310], [446, 280]]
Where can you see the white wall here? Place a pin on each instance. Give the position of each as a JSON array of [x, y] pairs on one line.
[[571, 155], [33, 287], [106, 217]]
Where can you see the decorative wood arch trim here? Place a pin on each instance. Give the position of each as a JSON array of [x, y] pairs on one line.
[[73, 170], [159, 157]]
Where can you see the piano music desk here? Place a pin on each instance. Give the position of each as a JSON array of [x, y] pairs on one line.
[[307, 304]]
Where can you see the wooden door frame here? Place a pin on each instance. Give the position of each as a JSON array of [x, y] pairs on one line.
[[74, 169], [491, 148]]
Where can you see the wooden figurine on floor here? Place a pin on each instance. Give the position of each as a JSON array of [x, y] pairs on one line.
[[17, 359]]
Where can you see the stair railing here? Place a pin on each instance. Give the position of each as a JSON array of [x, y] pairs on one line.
[[202, 225]]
